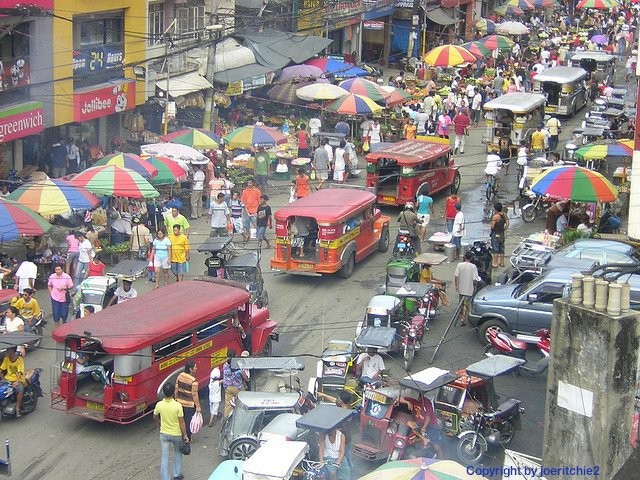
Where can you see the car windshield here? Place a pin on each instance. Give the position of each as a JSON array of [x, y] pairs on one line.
[[529, 286], [243, 420]]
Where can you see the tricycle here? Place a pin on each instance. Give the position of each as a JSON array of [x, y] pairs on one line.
[[389, 425], [398, 272], [225, 262], [468, 407], [334, 373], [96, 292]]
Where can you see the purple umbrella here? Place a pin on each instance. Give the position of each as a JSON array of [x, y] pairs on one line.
[[302, 73], [600, 39]]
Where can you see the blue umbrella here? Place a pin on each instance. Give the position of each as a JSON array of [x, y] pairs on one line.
[[337, 68]]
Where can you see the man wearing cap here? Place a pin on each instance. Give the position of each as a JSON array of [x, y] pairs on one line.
[[124, 293], [140, 239]]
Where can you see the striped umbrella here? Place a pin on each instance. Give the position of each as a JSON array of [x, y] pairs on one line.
[[597, 4], [600, 150], [54, 197], [302, 73], [353, 104], [486, 26], [198, 138], [422, 469], [574, 183], [318, 92], [366, 88], [496, 42], [254, 136], [115, 181], [286, 92], [130, 161], [17, 221], [395, 95], [478, 49], [511, 28], [336, 68], [521, 4], [169, 171], [448, 56]]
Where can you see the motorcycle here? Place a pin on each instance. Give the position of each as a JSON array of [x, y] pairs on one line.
[[538, 204], [32, 392], [516, 346], [405, 245], [484, 429], [482, 259]]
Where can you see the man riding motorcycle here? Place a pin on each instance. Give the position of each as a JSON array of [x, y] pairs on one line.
[[12, 371], [424, 420], [408, 220], [29, 309]]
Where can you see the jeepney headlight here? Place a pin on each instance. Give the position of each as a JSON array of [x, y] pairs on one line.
[[399, 443]]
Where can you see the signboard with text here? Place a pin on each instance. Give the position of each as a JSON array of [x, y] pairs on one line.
[[21, 121], [311, 15], [103, 100], [97, 58], [14, 73]]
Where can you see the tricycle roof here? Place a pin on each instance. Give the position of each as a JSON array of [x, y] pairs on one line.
[[6, 294], [376, 337], [244, 260], [382, 304], [214, 244], [327, 207], [324, 417], [494, 366], [15, 339], [430, 258], [428, 379], [414, 290], [228, 470], [274, 460], [267, 363], [561, 75], [283, 424], [337, 347], [267, 400], [390, 393], [597, 56], [409, 153], [97, 283]]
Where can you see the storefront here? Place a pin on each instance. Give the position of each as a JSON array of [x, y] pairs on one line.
[[376, 33], [17, 123]]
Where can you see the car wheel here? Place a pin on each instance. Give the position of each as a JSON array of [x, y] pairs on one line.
[[242, 450], [383, 243], [347, 269], [455, 186], [267, 349], [492, 324]]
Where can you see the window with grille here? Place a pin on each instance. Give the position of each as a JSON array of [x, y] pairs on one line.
[[190, 20], [156, 22]]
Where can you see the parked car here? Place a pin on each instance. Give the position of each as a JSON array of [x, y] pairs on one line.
[[600, 251], [527, 307]]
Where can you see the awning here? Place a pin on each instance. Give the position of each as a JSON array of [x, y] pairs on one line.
[[439, 16], [241, 73], [184, 84], [378, 13]]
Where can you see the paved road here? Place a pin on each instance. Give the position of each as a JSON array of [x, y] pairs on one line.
[[51, 445]]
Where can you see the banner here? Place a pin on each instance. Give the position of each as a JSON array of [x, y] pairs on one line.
[[103, 100], [20, 121]]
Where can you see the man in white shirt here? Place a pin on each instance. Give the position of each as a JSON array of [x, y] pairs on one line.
[[220, 217], [26, 274], [458, 229], [85, 254], [465, 275], [197, 188], [329, 150], [476, 106], [124, 293], [370, 365], [494, 163]]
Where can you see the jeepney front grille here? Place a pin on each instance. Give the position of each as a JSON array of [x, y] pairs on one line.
[[371, 435]]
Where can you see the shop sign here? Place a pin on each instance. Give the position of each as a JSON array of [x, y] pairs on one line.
[[104, 100], [14, 73], [97, 58], [20, 121], [373, 25], [235, 88], [311, 15], [254, 82]]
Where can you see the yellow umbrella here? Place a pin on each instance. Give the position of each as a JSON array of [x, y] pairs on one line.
[[448, 56]]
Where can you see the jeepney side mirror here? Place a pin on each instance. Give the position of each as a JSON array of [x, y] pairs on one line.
[[532, 297]]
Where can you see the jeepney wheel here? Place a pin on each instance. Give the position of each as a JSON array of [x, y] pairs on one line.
[[471, 448], [267, 349], [492, 324], [383, 243], [347, 269], [455, 186], [242, 450]]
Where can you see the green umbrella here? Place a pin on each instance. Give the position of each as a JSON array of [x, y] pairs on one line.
[[169, 171]]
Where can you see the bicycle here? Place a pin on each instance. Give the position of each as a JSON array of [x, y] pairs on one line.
[[491, 186]]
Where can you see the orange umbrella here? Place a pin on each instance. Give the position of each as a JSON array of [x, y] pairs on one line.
[[448, 56]]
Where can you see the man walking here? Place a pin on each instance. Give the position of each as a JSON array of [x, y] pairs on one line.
[[26, 274], [197, 189], [458, 229], [250, 198], [220, 217], [321, 164], [179, 253], [172, 218], [85, 254], [553, 125], [168, 414], [261, 168], [465, 274], [140, 240], [461, 124]]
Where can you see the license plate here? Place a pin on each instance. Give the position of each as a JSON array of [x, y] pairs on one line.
[[387, 198], [333, 371], [305, 266], [95, 406], [402, 245], [375, 396]]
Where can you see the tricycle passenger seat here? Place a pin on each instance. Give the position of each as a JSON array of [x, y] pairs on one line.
[[505, 409]]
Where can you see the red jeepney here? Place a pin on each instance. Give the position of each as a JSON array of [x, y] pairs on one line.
[[399, 171], [143, 343], [329, 231]]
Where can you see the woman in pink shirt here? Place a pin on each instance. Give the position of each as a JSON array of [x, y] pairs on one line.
[[72, 253], [59, 284], [444, 121]]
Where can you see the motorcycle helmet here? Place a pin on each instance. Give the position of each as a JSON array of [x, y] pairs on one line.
[[409, 206]]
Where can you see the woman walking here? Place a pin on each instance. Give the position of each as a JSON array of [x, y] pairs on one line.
[[187, 393]]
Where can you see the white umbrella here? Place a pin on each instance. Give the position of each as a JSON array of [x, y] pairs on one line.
[[512, 28], [175, 151], [320, 92]]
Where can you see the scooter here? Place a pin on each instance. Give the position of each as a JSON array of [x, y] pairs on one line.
[[32, 392], [491, 428], [405, 245], [516, 346]]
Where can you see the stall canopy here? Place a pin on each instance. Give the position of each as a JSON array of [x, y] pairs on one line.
[[252, 54], [184, 84], [439, 16]]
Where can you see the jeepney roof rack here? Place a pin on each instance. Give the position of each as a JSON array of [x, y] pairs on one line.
[[352, 187]]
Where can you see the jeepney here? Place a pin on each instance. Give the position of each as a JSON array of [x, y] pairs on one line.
[[565, 89], [599, 64]]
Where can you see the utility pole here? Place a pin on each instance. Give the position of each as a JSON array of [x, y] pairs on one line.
[[167, 43], [415, 20], [210, 111], [633, 225]]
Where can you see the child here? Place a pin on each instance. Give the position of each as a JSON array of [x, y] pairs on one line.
[[215, 394], [151, 270], [292, 191]]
